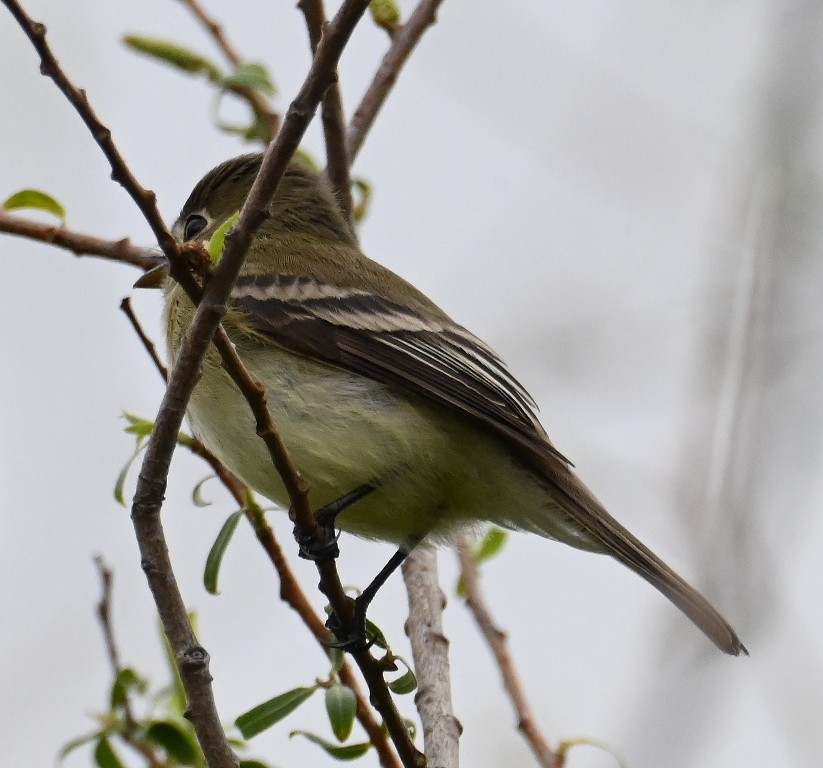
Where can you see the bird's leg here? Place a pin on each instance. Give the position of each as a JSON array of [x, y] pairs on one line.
[[321, 544], [356, 639]]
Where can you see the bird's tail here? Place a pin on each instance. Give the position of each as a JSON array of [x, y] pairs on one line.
[[587, 513]]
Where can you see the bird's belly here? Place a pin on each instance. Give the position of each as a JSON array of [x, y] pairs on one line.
[[341, 431]]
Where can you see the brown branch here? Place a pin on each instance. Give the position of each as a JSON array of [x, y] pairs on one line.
[[192, 660], [130, 726], [215, 30], [497, 641], [255, 100], [330, 584], [80, 244], [145, 199], [430, 650], [290, 591], [403, 43], [205, 325], [331, 115], [125, 307]]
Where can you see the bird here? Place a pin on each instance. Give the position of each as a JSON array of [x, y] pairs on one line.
[[375, 390]]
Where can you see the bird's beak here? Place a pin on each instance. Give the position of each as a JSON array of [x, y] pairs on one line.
[[155, 277]]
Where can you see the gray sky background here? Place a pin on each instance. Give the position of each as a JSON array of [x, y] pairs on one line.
[[622, 198]]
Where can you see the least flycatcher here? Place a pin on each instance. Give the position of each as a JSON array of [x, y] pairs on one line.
[[371, 385]]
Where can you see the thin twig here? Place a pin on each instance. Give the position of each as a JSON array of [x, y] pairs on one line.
[[81, 244], [331, 115], [258, 104], [290, 591], [215, 30], [130, 726], [430, 650], [403, 43], [125, 307], [205, 325], [145, 199], [192, 660], [330, 584], [497, 641]]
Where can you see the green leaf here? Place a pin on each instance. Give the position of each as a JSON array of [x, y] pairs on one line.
[[197, 495], [175, 55], [337, 656], [127, 680], [120, 483], [35, 198], [265, 715], [341, 706], [375, 634], [361, 207], [254, 76], [216, 243], [105, 756], [138, 425], [386, 13], [176, 740], [307, 158], [70, 746], [176, 692], [406, 683], [344, 752], [490, 545], [218, 549]]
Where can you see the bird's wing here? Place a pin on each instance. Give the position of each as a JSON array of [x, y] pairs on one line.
[[368, 334]]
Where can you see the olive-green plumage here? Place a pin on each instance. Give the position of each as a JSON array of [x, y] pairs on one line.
[[369, 382]]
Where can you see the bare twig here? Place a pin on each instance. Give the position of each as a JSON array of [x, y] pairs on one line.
[[290, 590], [334, 124], [130, 726], [403, 43], [125, 307], [79, 243], [215, 30], [120, 172], [258, 104], [441, 729], [192, 660], [498, 644], [211, 308]]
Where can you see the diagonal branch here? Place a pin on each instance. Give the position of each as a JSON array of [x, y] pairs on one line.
[[331, 115], [192, 660], [290, 591], [430, 650], [498, 645], [403, 43], [81, 244], [145, 199], [258, 104]]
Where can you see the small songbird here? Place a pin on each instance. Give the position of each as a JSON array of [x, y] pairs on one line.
[[371, 385]]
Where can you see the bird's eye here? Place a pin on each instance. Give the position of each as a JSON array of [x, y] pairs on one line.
[[194, 225]]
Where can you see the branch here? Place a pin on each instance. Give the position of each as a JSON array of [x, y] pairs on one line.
[[192, 660], [334, 124], [205, 325], [145, 199], [403, 43], [130, 726], [255, 100], [79, 243], [125, 307], [498, 644], [441, 729], [290, 591]]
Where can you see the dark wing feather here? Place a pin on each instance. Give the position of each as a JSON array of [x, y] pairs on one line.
[[372, 336]]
